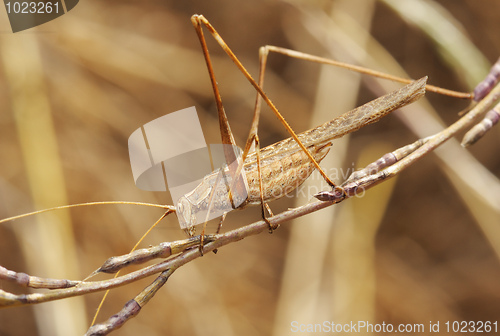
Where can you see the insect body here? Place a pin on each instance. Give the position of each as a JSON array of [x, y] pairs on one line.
[[284, 165]]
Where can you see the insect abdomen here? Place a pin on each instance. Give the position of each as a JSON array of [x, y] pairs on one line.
[[282, 176]]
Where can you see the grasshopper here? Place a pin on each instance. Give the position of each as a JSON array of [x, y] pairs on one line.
[[272, 172]]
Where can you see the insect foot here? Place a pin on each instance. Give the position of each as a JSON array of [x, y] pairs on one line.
[[271, 226]]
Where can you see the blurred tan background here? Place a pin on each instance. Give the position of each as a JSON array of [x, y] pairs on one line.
[[422, 247]]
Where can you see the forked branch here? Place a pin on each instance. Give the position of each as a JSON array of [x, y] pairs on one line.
[[182, 252]]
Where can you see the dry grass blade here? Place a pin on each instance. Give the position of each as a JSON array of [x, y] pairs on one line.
[[448, 34], [310, 247], [53, 233]]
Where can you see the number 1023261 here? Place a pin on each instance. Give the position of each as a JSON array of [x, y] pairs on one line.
[[472, 326], [32, 7]]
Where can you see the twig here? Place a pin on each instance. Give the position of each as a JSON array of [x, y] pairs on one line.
[[131, 308], [366, 182], [167, 267], [8, 299], [25, 280]]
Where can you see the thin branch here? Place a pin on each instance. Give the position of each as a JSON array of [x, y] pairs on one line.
[[131, 308], [26, 280], [168, 266], [8, 299], [431, 143]]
